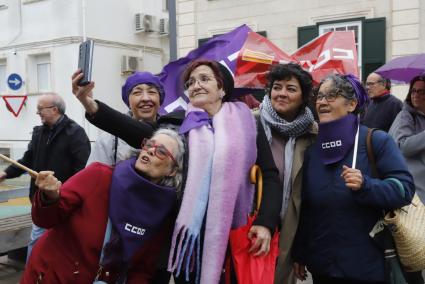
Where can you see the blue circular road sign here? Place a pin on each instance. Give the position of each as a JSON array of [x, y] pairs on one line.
[[14, 81]]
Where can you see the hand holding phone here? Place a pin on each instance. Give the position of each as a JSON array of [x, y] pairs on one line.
[[85, 59]]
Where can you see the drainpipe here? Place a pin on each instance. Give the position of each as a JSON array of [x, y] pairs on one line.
[[173, 29]]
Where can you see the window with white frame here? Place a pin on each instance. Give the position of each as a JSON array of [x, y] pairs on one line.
[[39, 73], [3, 78], [43, 76], [355, 26]]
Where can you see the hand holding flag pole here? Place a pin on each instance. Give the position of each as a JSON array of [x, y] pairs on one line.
[[32, 173]]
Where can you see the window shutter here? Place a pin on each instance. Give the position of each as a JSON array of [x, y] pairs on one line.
[[373, 41], [307, 33]]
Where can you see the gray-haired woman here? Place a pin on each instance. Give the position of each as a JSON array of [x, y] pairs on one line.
[[342, 200], [108, 224]]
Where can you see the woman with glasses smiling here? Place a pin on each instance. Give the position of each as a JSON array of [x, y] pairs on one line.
[[342, 200], [108, 224], [224, 142], [408, 130]]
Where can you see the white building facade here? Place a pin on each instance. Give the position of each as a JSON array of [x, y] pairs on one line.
[[384, 28], [39, 40]]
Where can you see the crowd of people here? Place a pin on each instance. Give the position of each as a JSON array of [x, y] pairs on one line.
[[159, 194]]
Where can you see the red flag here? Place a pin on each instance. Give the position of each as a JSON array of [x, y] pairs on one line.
[[332, 52], [254, 60]]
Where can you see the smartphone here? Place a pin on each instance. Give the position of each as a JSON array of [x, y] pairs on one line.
[[85, 59]]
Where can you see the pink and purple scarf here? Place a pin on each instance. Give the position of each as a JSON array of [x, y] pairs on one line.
[[218, 188]]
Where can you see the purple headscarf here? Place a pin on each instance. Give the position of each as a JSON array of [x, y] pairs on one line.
[[141, 78], [359, 91]]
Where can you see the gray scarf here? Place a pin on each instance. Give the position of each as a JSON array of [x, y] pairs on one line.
[[290, 130], [271, 119]]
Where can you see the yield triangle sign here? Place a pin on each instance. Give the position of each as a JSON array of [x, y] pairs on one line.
[[15, 103]]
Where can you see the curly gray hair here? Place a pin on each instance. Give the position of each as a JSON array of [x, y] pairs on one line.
[[174, 181]]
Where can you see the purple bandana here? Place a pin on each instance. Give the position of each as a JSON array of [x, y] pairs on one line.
[[137, 207], [359, 90], [336, 138], [194, 119]]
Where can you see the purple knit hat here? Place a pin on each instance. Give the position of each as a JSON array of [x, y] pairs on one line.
[[141, 78]]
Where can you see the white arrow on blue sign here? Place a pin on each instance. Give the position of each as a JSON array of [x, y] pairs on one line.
[[14, 81]]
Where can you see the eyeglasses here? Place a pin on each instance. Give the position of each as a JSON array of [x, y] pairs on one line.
[[202, 80], [39, 109], [159, 150], [329, 97], [369, 84], [420, 92]]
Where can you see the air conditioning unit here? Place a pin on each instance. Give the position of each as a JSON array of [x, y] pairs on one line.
[[164, 26], [145, 23], [130, 64]]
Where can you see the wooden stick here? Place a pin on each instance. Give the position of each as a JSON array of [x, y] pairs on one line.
[[32, 173]]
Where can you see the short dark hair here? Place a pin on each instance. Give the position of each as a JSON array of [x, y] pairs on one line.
[[286, 72], [412, 82]]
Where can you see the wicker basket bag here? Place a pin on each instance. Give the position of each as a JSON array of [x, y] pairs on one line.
[[408, 229]]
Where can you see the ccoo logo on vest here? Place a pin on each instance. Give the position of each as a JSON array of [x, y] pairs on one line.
[[332, 144]]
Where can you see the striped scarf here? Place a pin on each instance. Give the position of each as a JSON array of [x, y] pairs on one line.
[[217, 188]]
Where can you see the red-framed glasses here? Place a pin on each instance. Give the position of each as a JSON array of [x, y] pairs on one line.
[[159, 150]]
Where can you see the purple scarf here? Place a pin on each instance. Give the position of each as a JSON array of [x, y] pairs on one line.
[[137, 210], [336, 138], [217, 188], [194, 119]]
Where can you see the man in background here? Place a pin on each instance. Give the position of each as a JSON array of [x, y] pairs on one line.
[[383, 107], [59, 145]]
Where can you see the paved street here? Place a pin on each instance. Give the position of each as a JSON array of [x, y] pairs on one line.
[[10, 271]]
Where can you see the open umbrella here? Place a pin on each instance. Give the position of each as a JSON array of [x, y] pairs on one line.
[[403, 69]]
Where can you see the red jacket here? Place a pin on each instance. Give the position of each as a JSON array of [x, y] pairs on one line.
[[69, 251]]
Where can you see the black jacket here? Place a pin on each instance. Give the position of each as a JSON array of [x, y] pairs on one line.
[[63, 149], [134, 131], [381, 112]]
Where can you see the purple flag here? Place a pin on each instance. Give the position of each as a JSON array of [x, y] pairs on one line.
[[223, 48]]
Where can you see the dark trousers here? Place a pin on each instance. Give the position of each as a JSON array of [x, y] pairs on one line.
[[414, 277], [321, 279], [162, 276]]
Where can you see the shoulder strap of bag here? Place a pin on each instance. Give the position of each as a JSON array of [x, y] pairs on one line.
[[370, 154]]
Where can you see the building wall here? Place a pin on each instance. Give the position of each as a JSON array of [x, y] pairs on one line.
[[199, 19], [56, 28]]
